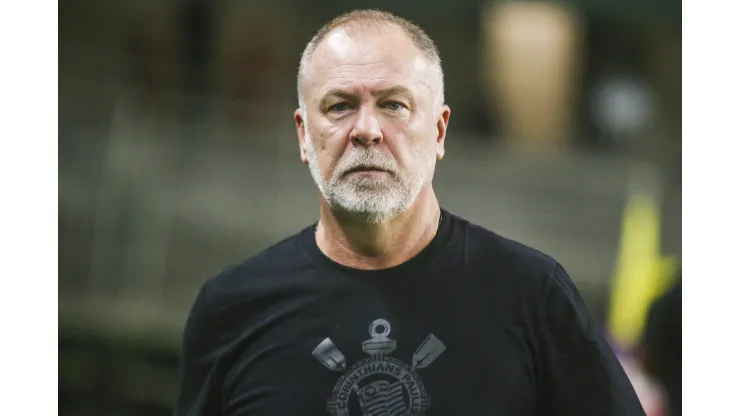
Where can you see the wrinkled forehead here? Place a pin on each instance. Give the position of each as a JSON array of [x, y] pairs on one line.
[[367, 61]]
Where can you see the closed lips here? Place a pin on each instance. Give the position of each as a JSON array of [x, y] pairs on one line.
[[366, 169]]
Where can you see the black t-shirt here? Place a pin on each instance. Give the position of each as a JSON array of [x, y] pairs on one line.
[[474, 325]]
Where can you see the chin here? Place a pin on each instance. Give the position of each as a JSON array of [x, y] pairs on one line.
[[367, 217], [370, 210]]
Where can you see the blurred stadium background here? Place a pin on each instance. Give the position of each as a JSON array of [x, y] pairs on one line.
[[177, 157]]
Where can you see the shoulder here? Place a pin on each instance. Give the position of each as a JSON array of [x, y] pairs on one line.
[[514, 276], [228, 299], [503, 264], [489, 250], [258, 272]]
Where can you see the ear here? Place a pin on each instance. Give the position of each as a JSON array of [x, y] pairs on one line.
[[443, 120], [300, 125]]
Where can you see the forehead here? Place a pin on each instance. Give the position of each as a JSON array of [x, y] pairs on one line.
[[368, 60]]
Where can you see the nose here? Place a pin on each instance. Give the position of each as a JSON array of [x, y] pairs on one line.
[[366, 130]]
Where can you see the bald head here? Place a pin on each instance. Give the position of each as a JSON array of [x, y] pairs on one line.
[[362, 23]]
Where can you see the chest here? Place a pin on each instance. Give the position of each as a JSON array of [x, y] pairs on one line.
[[381, 355]]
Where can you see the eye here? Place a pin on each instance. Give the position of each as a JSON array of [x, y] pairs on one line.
[[339, 107], [393, 105]]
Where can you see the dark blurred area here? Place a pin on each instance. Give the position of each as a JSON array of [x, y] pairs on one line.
[[660, 351], [178, 157]]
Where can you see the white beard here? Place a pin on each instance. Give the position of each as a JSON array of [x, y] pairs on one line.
[[372, 200]]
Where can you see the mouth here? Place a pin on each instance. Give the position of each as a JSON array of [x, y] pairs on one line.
[[366, 169]]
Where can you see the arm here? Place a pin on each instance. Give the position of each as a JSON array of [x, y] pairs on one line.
[[580, 374], [200, 379]]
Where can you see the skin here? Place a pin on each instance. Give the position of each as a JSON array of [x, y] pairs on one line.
[[370, 101]]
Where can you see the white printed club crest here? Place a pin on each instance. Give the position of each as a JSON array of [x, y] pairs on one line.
[[381, 385]]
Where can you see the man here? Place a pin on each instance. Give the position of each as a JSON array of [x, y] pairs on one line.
[[389, 305]]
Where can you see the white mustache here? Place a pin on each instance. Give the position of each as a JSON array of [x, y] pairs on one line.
[[366, 160]]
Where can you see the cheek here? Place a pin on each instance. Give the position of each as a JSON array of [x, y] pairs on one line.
[[329, 148], [416, 143]]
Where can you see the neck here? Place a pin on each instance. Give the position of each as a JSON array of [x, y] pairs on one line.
[[379, 246]]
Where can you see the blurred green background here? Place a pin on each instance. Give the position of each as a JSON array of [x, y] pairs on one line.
[[178, 157]]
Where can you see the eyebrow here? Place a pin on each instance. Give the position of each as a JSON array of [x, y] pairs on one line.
[[385, 92]]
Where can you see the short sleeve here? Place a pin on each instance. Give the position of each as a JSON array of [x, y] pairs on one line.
[[581, 375], [200, 379]]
